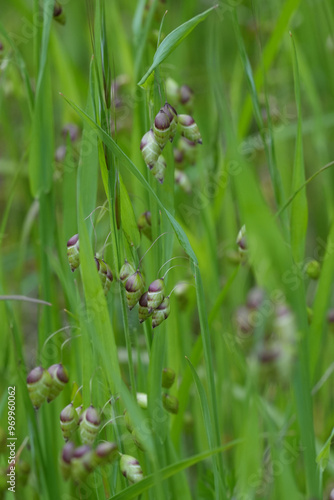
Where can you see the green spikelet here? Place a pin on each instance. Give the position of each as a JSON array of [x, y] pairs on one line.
[[134, 288], [127, 421], [126, 270], [188, 149], [69, 421], [170, 403], [162, 128], [65, 460], [182, 180], [187, 98], [137, 441], [142, 400], [130, 468], [242, 240], [161, 313], [143, 310], [150, 149], [188, 128], [172, 115], [89, 425], [105, 453], [39, 382], [145, 224], [159, 169], [82, 463], [60, 378], [168, 378], [73, 252], [156, 294], [172, 92], [105, 274]]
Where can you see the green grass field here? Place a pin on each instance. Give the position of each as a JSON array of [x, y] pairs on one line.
[[217, 383]]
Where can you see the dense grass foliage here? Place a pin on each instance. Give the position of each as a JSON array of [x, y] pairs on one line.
[[217, 382]]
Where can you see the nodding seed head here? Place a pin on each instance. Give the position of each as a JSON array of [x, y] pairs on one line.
[[142, 400], [172, 91], [159, 168], [73, 241], [144, 224], [126, 270], [241, 240], [150, 149], [59, 376], [161, 313], [69, 421], [67, 452], [168, 378], [105, 452], [178, 156], [170, 403], [131, 469], [188, 149], [186, 95], [68, 413], [312, 269], [182, 180], [39, 382], [189, 129], [92, 416], [162, 121], [134, 287], [170, 111], [143, 310], [156, 294]]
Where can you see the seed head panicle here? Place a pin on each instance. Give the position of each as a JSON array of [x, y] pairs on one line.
[[69, 421], [189, 128], [134, 288], [131, 469], [39, 382], [73, 252], [59, 378]]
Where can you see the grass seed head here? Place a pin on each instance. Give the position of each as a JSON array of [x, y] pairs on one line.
[[60, 378], [156, 294], [89, 425], [144, 224], [126, 270], [73, 252], [134, 288], [168, 378], [162, 128], [131, 469], [313, 269], [150, 149], [39, 382], [189, 128], [187, 98], [69, 421], [158, 170], [172, 115], [105, 453], [143, 310], [82, 463], [170, 403], [183, 181], [65, 460], [161, 313], [172, 92]]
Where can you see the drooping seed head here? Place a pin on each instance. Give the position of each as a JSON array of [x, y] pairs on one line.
[[130, 468], [69, 421], [242, 241], [172, 115], [189, 128], [150, 149], [313, 269], [158, 170], [105, 274], [144, 224], [178, 158], [182, 180], [255, 297], [162, 128], [168, 378], [172, 91], [72, 130], [82, 463], [188, 149], [65, 460], [143, 310], [142, 400], [137, 440], [161, 313], [73, 252], [170, 403], [59, 377], [105, 453], [134, 288], [39, 382], [89, 425], [187, 97], [58, 14], [126, 270], [156, 293]]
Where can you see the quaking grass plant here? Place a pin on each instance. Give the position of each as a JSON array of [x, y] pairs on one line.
[[166, 254]]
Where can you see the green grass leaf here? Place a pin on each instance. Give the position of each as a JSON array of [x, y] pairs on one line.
[[172, 40]]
